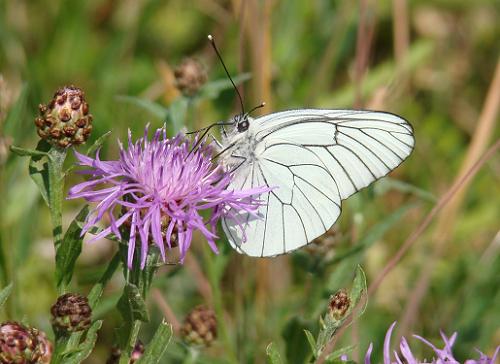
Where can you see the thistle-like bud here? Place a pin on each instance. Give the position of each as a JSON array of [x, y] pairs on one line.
[[23, 345], [65, 121], [45, 346], [114, 358], [339, 304], [200, 326], [190, 75], [71, 313]]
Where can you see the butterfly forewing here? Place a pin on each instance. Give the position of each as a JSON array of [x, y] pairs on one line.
[[312, 159]]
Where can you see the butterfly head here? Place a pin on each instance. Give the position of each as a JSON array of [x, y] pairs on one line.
[[241, 122]]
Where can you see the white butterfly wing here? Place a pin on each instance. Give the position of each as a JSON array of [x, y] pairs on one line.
[[314, 159]]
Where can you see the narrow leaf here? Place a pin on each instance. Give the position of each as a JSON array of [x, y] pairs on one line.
[[335, 356], [375, 233], [358, 286], [4, 294], [211, 90], [273, 356], [177, 112], [387, 183], [39, 170], [98, 143], [23, 152], [158, 345], [131, 305], [156, 109], [85, 348], [311, 341], [96, 291], [70, 249]]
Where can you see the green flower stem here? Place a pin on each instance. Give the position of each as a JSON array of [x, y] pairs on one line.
[[191, 356], [133, 330], [56, 184], [214, 280], [59, 349], [133, 308], [56, 157]]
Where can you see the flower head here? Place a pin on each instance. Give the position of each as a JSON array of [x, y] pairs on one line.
[[65, 120], [444, 355], [71, 312], [22, 344], [158, 189]]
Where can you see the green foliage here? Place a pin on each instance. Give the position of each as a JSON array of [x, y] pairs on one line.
[[273, 355], [158, 345], [70, 249], [39, 168], [5, 293], [131, 305], [84, 349]]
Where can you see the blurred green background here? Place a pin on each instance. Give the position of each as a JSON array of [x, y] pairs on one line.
[[432, 62]]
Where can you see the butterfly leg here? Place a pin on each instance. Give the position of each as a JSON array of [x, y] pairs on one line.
[[243, 160], [223, 131], [214, 139]]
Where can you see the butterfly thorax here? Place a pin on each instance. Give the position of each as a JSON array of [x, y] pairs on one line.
[[241, 143]]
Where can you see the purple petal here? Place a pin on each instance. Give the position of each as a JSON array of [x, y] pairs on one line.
[[387, 344], [368, 354]]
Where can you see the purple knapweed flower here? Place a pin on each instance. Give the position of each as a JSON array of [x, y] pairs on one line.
[[443, 356], [158, 189]]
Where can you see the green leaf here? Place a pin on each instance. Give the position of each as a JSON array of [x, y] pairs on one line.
[[387, 183], [297, 349], [4, 294], [158, 345], [96, 291], [211, 90], [334, 357], [375, 233], [358, 289], [273, 356], [83, 350], [39, 169], [154, 108], [311, 341], [177, 112], [98, 143], [70, 249], [23, 152], [131, 305]]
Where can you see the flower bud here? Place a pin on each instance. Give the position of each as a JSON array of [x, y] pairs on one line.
[[71, 313], [65, 121], [23, 345], [339, 304], [200, 326], [190, 76]]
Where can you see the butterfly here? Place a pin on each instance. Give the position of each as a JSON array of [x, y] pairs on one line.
[[311, 159]]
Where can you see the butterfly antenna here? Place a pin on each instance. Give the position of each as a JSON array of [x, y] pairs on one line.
[[262, 104], [212, 41]]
